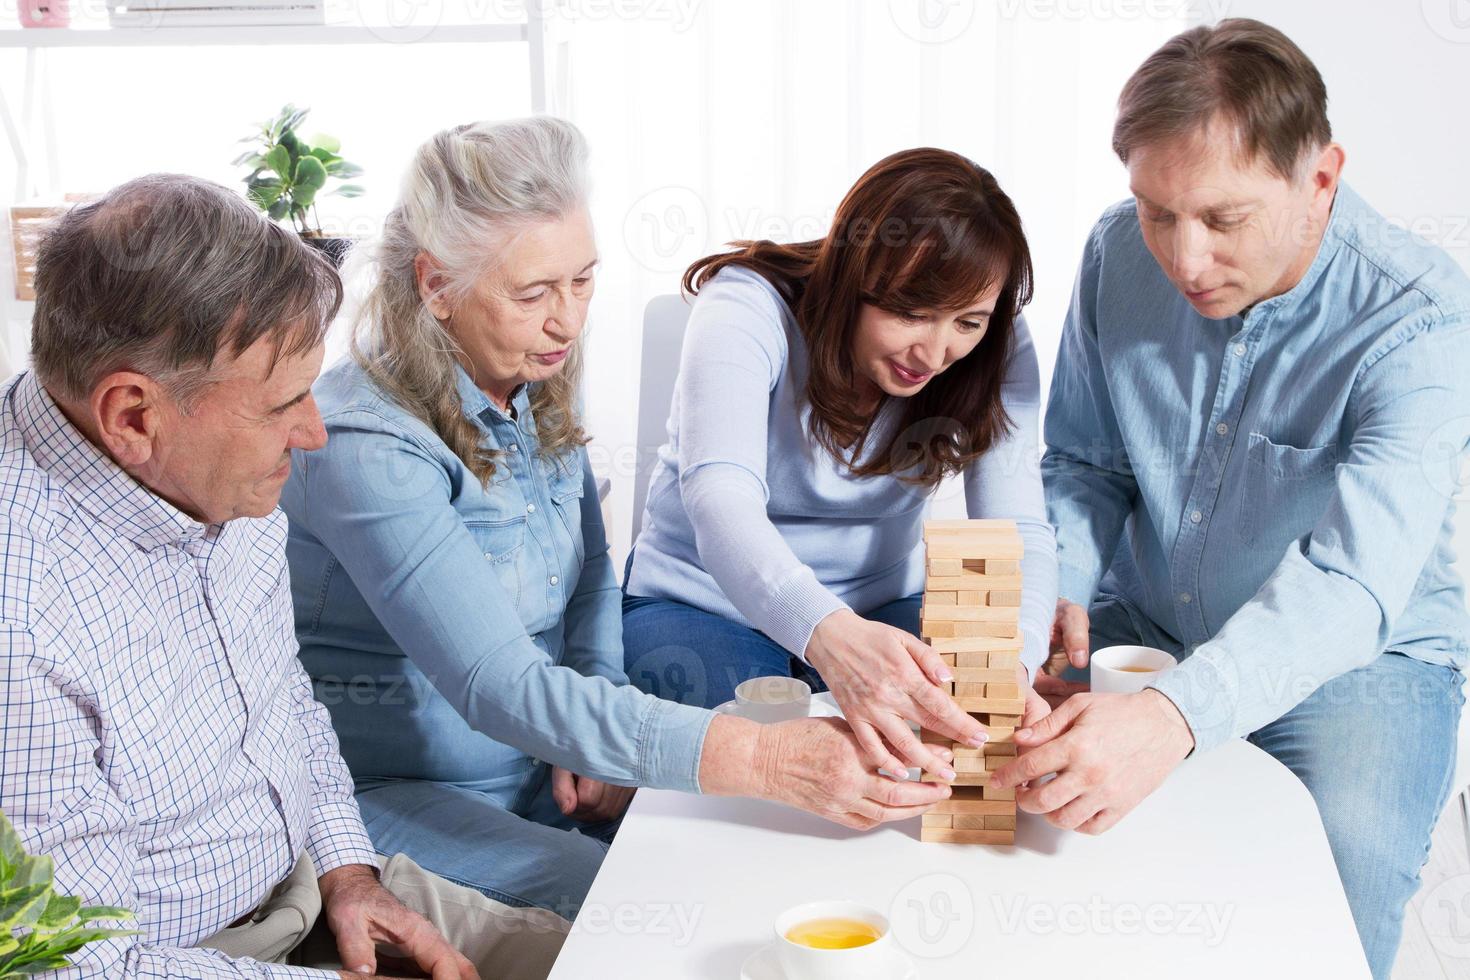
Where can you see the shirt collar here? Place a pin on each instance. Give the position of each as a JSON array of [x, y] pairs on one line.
[[90, 478], [1345, 207], [478, 406]]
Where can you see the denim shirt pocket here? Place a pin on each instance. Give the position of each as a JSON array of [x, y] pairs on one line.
[[501, 542], [1286, 490], [565, 485]]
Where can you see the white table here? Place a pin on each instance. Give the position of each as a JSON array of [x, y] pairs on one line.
[[1224, 872]]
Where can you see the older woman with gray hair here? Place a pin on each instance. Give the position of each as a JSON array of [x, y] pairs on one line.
[[455, 601]]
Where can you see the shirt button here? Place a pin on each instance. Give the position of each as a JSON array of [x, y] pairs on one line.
[[530, 508], [1240, 350], [554, 580], [489, 557], [513, 448], [1196, 517], [1184, 598], [1222, 428]]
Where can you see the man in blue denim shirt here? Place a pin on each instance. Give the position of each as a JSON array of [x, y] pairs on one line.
[[1257, 405]]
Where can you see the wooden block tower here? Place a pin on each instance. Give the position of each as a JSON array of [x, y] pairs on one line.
[[971, 616]]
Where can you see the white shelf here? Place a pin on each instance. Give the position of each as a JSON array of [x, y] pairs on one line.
[[142, 37]]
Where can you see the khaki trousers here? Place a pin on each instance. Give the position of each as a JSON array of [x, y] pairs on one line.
[[503, 942]]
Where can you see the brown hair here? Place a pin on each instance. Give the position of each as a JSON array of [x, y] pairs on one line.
[[1243, 71], [923, 229], [162, 274]]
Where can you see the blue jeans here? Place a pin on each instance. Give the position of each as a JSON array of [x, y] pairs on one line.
[[1376, 749], [681, 653], [537, 858]]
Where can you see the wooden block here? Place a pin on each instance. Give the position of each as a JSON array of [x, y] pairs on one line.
[[972, 580], [961, 689], [941, 835], [941, 819], [988, 546], [931, 630], [1001, 736], [971, 800], [1006, 630], [1003, 598], [945, 598], [1003, 658], [976, 779], [985, 675], [1009, 707], [1005, 721], [1006, 750], [942, 526], [971, 763], [948, 658], [981, 644], [994, 762], [992, 793], [945, 567], [1003, 690], [971, 598], [969, 614], [995, 821]]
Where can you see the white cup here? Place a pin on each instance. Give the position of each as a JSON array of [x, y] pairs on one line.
[[772, 699], [1111, 676], [875, 961]]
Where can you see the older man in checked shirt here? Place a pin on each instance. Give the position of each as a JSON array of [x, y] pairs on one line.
[[161, 740]]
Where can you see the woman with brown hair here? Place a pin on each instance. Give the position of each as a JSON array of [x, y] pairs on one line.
[[826, 388]]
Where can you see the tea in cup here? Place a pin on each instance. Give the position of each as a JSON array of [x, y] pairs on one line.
[[834, 940], [1127, 669]]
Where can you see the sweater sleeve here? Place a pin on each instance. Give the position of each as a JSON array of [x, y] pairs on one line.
[[1006, 483], [734, 352]]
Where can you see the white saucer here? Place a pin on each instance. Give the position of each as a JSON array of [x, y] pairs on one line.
[[763, 965], [816, 709]]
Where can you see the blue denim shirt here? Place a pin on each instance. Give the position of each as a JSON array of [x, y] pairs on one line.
[[1275, 487], [460, 633]]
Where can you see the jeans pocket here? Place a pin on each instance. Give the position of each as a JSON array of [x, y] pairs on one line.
[[502, 542], [1286, 491]]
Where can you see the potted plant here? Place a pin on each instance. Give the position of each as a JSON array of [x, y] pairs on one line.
[[288, 173], [39, 929]]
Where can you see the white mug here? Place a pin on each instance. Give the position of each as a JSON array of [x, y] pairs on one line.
[[772, 699], [875, 961], [1109, 673]]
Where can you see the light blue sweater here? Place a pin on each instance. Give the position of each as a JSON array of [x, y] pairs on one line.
[[749, 518]]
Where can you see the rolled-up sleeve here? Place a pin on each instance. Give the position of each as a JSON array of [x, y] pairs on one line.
[[425, 579]]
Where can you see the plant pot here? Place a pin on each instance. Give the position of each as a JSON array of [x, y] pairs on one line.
[[335, 249]]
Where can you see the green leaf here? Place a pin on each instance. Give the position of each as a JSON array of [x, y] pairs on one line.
[[327, 157], [279, 159], [88, 913], [341, 168], [11, 848], [329, 143], [278, 208], [350, 190], [59, 911], [22, 906], [249, 158]]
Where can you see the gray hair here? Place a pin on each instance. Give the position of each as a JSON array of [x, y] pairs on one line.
[[467, 192], [162, 274]]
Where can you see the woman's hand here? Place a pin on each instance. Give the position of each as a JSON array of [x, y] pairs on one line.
[[586, 799], [813, 764], [883, 678]]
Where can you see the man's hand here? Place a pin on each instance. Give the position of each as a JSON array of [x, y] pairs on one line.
[[1109, 751], [586, 799], [813, 764], [883, 678], [1069, 637], [362, 914]]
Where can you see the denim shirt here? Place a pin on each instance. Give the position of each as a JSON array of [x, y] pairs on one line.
[[1269, 495], [460, 633]]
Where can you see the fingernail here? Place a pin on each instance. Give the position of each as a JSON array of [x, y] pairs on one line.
[[362, 969], [945, 675], [978, 740], [947, 775]]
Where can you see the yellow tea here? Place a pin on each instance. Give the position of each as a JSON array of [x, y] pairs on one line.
[[1137, 670], [833, 933]]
